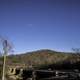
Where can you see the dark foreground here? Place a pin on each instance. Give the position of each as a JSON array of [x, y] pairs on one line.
[[47, 75]]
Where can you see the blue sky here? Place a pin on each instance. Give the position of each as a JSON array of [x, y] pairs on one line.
[[41, 24]]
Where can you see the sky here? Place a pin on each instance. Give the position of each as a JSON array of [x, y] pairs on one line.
[[41, 24]]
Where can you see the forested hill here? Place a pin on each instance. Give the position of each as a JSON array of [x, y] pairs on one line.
[[42, 57]]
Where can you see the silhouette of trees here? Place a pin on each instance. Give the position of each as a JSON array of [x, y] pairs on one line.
[[76, 50]]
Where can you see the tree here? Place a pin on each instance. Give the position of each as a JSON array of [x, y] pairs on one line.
[[76, 50], [6, 48]]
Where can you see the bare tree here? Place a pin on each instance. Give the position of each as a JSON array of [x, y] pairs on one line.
[[76, 50], [6, 48]]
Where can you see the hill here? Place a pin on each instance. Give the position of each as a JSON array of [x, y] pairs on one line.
[[40, 58]]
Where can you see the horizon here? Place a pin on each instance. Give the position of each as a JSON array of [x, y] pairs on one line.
[[42, 50], [41, 24]]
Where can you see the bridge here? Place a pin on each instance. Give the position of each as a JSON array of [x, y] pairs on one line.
[[20, 73]]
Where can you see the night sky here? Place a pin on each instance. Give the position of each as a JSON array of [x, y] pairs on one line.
[[41, 24]]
